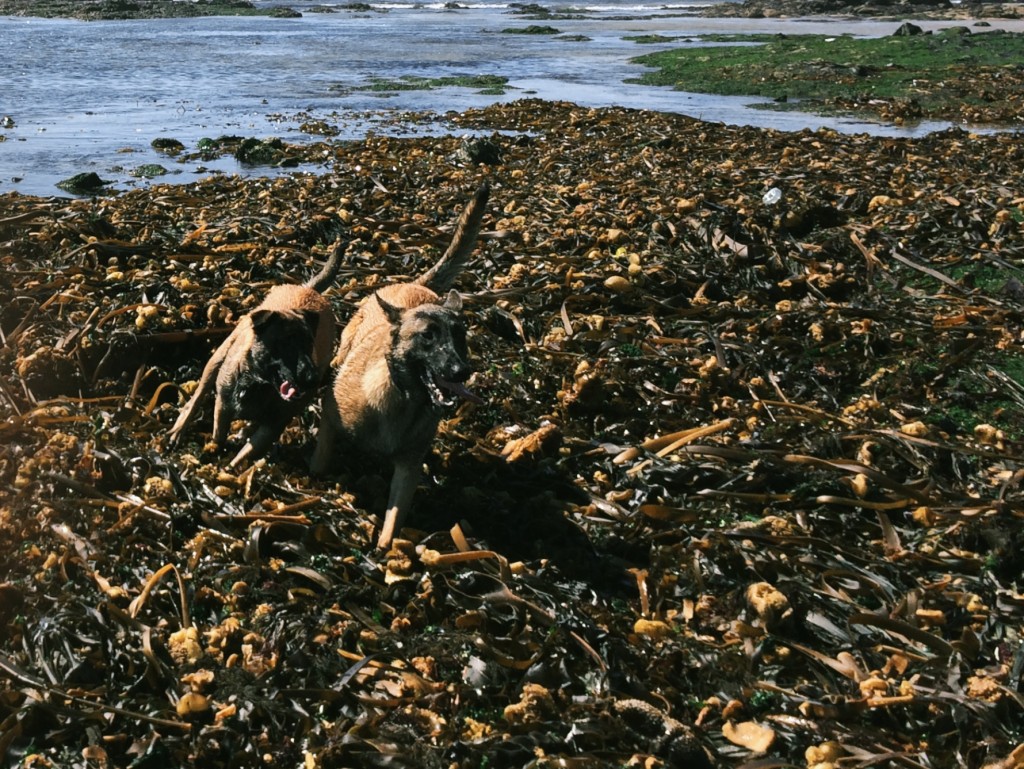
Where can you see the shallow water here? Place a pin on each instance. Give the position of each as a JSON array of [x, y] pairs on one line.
[[91, 96]]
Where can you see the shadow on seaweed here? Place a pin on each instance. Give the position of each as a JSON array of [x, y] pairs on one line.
[[517, 509]]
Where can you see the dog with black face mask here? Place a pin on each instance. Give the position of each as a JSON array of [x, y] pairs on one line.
[[402, 358], [270, 366]]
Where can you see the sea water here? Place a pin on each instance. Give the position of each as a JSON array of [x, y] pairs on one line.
[[92, 96]]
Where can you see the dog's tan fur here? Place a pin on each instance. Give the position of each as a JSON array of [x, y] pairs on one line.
[[371, 410], [233, 361]]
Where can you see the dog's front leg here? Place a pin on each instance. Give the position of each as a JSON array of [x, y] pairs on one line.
[[260, 441], [403, 485], [320, 464]]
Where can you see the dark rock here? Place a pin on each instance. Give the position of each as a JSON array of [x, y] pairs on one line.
[[83, 184], [283, 12], [148, 171], [1014, 290], [258, 152], [207, 148], [480, 151], [534, 29], [908, 30], [169, 146], [527, 8], [319, 128]]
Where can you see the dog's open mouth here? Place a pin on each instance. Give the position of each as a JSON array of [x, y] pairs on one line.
[[445, 393], [288, 391]]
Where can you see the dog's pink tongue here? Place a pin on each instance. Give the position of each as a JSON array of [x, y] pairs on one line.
[[460, 390], [288, 390]]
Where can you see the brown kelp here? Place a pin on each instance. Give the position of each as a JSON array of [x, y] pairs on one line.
[[746, 484]]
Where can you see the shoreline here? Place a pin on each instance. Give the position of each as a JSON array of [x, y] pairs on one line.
[[897, 10], [111, 10], [88, 10], [114, 138]]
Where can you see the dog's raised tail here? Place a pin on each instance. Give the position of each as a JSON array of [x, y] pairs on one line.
[[323, 279], [442, 275]]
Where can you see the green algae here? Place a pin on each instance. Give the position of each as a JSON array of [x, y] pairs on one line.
[[930, 69], [485, 84]]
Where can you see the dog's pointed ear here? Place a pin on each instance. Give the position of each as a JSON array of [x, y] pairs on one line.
[[453, 301], [394, 314], [260, 318], [311, 319]]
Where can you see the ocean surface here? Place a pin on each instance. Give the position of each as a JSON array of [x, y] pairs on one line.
[[91, 96]]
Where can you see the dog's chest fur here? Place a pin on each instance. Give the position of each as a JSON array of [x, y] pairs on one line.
[[369, 403]]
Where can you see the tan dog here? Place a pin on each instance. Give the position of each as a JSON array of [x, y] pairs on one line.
[[270, 366], [402, 358]]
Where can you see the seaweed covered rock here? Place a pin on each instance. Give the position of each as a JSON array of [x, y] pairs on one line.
[[87, 183], [260, 152]]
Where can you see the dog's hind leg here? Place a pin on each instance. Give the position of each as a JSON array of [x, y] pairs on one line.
[[223, 416], [207, 382], [403, 485]]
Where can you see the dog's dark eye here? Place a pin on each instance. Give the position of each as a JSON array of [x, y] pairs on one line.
[[429, 335]]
